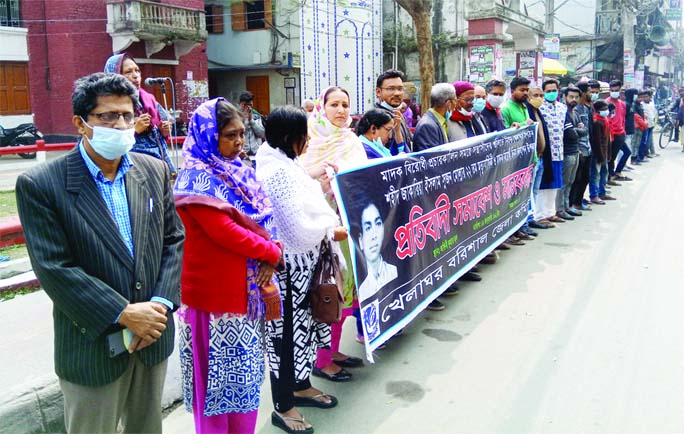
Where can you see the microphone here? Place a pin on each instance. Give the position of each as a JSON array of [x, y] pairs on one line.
[[151, 81]]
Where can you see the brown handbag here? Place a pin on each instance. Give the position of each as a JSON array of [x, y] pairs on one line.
[[325, 291]]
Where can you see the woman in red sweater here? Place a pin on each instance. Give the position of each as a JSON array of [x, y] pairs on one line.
[[227, 280]]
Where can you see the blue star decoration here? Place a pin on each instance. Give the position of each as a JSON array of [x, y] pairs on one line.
[[324, 74], [308, 47], [368, 34], [346, 12], [347, 78], [346, 55], [322, 25]]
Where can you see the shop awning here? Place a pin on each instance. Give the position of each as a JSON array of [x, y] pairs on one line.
[[554, 67]]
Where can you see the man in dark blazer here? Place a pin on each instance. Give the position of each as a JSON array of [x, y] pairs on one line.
[[432, 129], [106, 244]]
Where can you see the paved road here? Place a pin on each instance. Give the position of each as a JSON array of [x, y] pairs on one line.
[[578, 332]]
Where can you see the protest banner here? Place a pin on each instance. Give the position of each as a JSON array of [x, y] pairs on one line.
[[418, 222]]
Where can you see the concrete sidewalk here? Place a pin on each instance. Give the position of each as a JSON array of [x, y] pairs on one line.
[[31, 401]]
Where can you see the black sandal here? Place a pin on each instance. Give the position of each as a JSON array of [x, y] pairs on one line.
[[313, 401], [279, 421]]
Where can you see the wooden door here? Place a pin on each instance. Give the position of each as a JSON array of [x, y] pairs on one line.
[[258, 85], [160, 71]]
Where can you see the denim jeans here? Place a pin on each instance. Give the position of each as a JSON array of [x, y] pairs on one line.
[[536, 183], [570, 162], [624, 158], [598, 177], [645, 140]]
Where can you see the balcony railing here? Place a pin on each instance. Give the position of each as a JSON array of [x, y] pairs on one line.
[[155, 21]]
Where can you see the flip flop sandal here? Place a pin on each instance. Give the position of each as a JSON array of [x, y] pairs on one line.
[[281, 422], [313, 401]]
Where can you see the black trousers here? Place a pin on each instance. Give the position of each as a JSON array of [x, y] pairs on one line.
[[618, 141], [283, 388], [581, 181]]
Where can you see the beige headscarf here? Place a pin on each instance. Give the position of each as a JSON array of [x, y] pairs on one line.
[[337, 145]]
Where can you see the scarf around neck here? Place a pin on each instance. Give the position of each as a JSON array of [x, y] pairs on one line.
[[207, 173], [329, 143]]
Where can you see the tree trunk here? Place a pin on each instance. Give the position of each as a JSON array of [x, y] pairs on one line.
[[420, 12]]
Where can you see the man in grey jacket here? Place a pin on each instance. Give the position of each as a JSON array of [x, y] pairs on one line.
[[432, 129]]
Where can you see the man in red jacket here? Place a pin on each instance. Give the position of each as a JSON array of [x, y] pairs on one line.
[[617, 126]]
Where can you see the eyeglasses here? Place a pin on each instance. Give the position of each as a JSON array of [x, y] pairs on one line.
[[394, 88], [388, 129], [113, 117], [467, 100]]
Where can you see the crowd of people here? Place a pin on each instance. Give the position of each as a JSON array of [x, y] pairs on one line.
[[232, 243]]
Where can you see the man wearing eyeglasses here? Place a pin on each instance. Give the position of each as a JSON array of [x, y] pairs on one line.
[[390, 92], [106, 244]]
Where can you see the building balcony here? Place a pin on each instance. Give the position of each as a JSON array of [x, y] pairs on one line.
[[156, 24]]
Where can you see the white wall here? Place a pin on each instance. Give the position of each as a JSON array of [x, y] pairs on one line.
[[238, 48], [342, 46], [13, 46]]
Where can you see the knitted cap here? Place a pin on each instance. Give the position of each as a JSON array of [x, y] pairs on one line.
[[462, 87]]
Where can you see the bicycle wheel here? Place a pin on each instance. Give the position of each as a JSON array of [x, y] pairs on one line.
[[666, 135]]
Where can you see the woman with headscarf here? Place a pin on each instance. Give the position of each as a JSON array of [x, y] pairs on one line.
[[227, 279], [303, 219], [332, 141], [152, 123]]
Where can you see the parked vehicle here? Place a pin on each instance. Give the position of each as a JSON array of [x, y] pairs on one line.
[[22, 135], [667, 121]]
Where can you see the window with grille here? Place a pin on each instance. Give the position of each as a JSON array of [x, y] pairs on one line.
[[9, 13]]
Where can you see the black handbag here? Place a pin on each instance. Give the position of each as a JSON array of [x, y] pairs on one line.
[[325, 291]]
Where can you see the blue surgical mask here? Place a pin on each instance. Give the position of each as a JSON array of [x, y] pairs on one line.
[[387, 106], [604, 113], [111, 143], [595, 96], [479, 104], [551, 96], [447, 115]]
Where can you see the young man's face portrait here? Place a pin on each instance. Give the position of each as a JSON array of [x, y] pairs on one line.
[[372, 233]]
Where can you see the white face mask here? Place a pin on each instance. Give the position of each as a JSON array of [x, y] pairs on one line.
[[615, 95], [464, 112], [111, 143], [495, 100]]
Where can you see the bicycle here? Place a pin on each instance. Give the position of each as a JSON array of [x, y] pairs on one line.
[[667, 129]]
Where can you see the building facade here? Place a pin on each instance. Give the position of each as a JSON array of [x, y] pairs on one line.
[[286, 51], [67, 39]]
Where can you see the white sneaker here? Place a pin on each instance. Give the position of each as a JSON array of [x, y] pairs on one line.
[[674, 143]]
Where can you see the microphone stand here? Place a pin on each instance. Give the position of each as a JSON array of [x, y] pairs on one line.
[[173, 145]]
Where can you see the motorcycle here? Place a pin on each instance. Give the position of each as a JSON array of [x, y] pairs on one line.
[[22, 135]]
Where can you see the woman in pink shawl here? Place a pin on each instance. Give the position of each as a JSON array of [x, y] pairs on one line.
[[333, 144], [152, 123]]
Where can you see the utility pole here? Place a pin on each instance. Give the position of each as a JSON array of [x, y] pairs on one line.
[[395, 64], [550, 13]]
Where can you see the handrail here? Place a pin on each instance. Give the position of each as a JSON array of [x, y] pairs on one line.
[[41, 146]]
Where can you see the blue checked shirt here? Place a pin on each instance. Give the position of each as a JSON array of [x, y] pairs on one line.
[[114, 195]]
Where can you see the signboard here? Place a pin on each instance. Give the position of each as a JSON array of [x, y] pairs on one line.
[[418, 222], [673, 14], [481, 64], [552, 46], [526, 64]]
